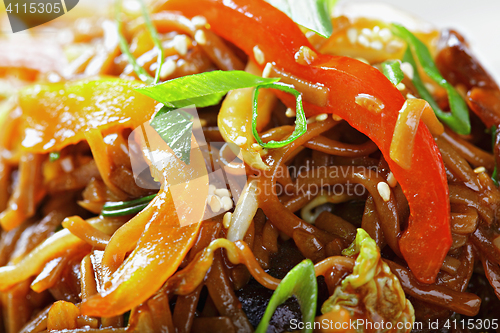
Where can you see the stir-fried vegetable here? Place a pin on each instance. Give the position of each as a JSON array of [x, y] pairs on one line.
[[121, 208], [57, 115], [392, 71], [371, 292], [427, 239]]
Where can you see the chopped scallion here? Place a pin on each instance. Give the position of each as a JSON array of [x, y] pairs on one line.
[[458, 119], [300, 122]]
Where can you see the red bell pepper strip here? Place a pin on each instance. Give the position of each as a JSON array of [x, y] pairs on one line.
[[250, 23]]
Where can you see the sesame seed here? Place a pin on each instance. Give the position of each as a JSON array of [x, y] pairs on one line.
[[321, 117], [352, 35], [430, 87], [311, 120], [335, 117], [363, 41], [227, 203], [258, 55], [376, 45], [376, 29], [267, 70], [215, 204], [407, 69], [401, 86], [222, 192], [385, 34], [211, 189], [226, 220], [263, 152], [305, 56], [67, 164], [409, 96], [394, 46], [369, 102], [481, 169], [180, 44], [384, 191], [290, 113], [239, 141], [199, 21], [200, 37], [367, 32], [391, 180], [168, 68]]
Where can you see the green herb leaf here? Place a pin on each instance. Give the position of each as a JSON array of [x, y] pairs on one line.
[[301, 283], [175, 128], [141, 72], [300, 121], [311, 14], [54, 156], [204, 89], [122, 208], [392, 71], [458, 120]]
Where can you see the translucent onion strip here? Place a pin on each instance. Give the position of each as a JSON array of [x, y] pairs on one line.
[[409, 118], [245, 210]]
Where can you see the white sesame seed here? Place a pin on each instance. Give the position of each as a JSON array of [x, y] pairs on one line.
[[263, 152], [391, 180], [290, 113], [363, 41], [227, 203], [367, 32], [430, 87], [168, 68], [226, 220], [407, 69], [67, 164], [376, 29], [311, 120], [369, 102], [352, 35], [258, 55], [180, 44], [199, 21], [409, 96], [376, 45], [321, 117], [211, 189], [384, 191], [394, 46], [215, 204], [222, 192], [240, 141], [267, 70], [481, 169], [401, 86], [385, 34], [335, 117], [200, 37]]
